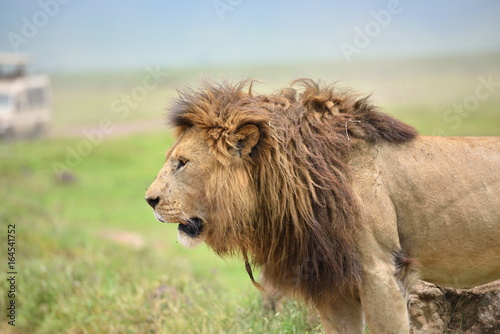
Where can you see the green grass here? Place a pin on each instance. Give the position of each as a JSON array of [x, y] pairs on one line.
[[71, 279]]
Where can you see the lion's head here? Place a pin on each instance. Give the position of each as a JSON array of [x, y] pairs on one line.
[[207, 182], [210, 196], [266, 175]]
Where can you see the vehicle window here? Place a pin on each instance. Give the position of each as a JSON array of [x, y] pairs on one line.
[[4, 102], [11, 71]]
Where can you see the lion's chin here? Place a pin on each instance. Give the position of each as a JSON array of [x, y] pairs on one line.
[[188, 241], [189, 232]]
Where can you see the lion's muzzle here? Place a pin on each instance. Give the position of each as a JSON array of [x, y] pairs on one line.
[[192, 227]]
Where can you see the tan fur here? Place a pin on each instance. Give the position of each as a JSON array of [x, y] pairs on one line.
[[337, 202]]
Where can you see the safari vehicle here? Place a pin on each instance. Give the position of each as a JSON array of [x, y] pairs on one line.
[[25, 106]]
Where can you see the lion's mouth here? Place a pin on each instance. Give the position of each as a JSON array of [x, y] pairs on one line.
[[191, 227]]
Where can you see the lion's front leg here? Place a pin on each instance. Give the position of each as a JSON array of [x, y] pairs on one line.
[[384, 302], [343, 316]]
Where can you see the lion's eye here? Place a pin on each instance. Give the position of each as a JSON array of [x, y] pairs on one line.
[[181, 163]]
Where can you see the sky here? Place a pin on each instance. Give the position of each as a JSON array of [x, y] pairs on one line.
[[87, 35]]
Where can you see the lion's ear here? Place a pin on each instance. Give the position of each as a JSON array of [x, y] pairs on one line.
[[248, 136]]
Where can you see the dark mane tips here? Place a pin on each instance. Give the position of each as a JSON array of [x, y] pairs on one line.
[[360, 118], [215, 105]]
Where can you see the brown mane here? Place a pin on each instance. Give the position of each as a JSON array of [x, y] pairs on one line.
[[300, 178]]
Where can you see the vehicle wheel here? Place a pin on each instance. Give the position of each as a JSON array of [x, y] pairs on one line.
[[38, 131], [8, 135]]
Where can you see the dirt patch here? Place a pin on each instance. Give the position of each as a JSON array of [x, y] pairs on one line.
[[112, 130], [130, 239]]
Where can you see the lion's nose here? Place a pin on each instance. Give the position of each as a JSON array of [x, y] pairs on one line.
[[153, 201]]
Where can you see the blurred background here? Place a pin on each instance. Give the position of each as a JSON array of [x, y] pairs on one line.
[[98, 77]]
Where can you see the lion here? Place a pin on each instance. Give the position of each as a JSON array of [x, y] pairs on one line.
[[338, 203]]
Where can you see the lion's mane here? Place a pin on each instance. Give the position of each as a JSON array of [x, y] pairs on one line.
[[299, 222]]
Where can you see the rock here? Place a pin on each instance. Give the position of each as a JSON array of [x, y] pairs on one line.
[[435, 309], [65, 177]]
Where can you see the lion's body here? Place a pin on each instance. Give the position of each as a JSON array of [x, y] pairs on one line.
[[438, 199], [338, 203], [445, 193]]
